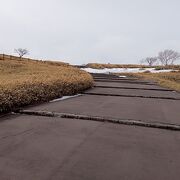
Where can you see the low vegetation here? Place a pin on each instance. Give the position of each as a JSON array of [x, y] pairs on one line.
[[169, 80], [102, 66], [24, 82], [174, 67]]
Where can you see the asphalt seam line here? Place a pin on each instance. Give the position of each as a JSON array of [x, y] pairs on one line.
[[116, 87], [121, 79], [139, 96], [173, 127], [128, 82]]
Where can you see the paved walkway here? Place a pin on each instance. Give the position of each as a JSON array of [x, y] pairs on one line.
[[42, 148]]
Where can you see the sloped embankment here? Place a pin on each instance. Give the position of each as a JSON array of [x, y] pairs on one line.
[[24, 82]]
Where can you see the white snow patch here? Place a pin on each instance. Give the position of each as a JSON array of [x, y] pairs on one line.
[[65, 97], [124, 70], [122, 76]]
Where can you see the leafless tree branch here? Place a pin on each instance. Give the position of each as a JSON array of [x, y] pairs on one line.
[[168, 57], [21, 52], [150, 60]]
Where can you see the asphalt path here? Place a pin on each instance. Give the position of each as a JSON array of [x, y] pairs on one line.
[[36, 147]]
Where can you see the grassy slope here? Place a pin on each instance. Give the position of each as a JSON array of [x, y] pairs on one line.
[[102, 66], [24, 82], [170, 80]]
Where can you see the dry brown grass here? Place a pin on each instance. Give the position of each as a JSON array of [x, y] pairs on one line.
[[102, 66], [169, 79], [23, 82]]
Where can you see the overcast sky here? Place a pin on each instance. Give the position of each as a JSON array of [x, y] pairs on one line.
[[82, 31]]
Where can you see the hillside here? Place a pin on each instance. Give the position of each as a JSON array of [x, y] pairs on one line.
[[110, 66], [24, 82]]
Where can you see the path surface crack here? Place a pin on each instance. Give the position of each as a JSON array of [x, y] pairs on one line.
[[73, 152], [17, 134]]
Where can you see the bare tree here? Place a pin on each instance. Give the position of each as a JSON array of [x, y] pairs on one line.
[[168, 57], [150, 60], [21, 52]]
